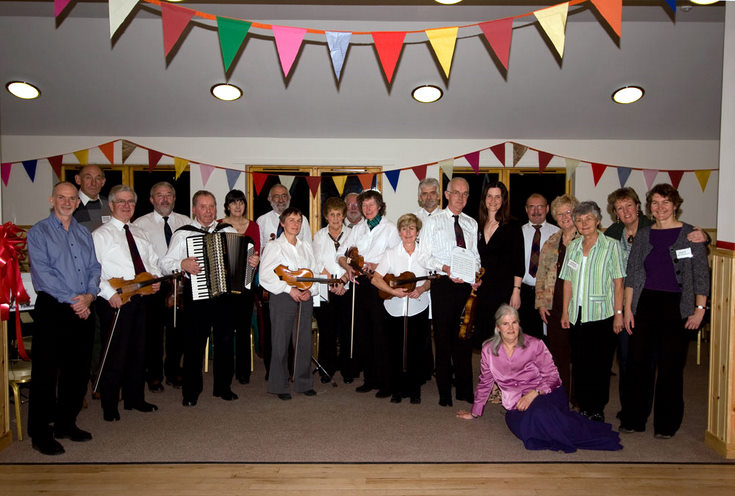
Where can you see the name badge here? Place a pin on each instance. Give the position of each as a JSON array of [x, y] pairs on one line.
[[106, 219], [684, 253], [572, 265]]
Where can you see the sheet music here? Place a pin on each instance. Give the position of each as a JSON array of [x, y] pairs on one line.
[[463, 265]]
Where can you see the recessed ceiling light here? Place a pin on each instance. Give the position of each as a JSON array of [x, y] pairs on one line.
[[628, 94], [23, 90], [704, 2], [447, 2], [427, 93], [226, 92]]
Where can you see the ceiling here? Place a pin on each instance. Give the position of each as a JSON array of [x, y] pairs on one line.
[[92, 86]]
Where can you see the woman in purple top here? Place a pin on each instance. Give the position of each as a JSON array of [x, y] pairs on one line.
[[536, 403]]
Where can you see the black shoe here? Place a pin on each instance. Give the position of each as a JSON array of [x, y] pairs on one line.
[[395, 398], [629, 430], [186, 402], [284, 396], [347, 380], [658, 435], [445, 401], [143, 406], [310, 392], [365, 388], [111, 415], [324, 379], [48, 446], [415, 399], [155, 387], [226, 395], [383, 393], [175, 382], [74, 433], [597, 417], [244, 379]]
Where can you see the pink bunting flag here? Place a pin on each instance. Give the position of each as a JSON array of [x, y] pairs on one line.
[[498, 34], [473, 159], [366, 180], [420, 171], [205, 171], [389, 45], [60, 6], [499, 152], [543, 160], [174, 20], [597, 171], [675, 177], [153, 158], [313, 182], [56, 164], [258, 181], [109, 150], [288, 43], [5, 172], [649, 175]]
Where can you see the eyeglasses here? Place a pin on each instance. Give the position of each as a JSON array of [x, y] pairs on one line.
[[121, 202], [280, 197]]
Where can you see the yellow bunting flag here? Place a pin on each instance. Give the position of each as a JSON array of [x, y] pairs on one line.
[[339, 182], [82, 156], [443, 41], [571, 166], [180, 165], [553, 20], [447, 167], [702, 177]]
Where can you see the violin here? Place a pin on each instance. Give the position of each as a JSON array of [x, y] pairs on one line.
[[468, 314], [357, 262], [142, 284], [406, 280], [302, 278]]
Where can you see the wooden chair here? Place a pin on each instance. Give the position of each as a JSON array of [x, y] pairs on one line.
[[19, 372]]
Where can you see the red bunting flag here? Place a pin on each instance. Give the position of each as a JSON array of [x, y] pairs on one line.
[[56, 164], [612, 12], [366, 180], [420, 171], [174, 20], [675, 177], [499, 152], [258, 181], [474, 160], [153, 158], [314, 182], [597, 171], [389, 46], [5, 171], [543, 160], [498, 34], [109, 150]]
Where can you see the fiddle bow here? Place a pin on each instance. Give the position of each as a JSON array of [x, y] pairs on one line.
[[468, 314]]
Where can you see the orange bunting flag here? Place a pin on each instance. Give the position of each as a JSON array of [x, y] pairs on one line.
[[518, 152], [180, 165], [612, 12], [675, 177], [498, 34], [443, 41], [259, 180], [702, 177], [314, 182], [153, 158], [109, 150], [499, 152], [389, 46], [447, 167], [339, 182], [56, 164], [174, 20], [597, 171], [543, 160], [127, 149], [366, 180], [553, 20], [420, 171], [82, 156]]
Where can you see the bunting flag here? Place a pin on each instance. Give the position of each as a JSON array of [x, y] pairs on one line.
[[205, 171], [612, 12], [420, 171], [56, 162], [232, 33], [650, 176], [474, 160], [389, 45], [702, 177], [498, 34], [314, 182], [571, 166], [286, 181], [127, 149], [5, 171], [30, 167], [232, 176], [109, 151], [393, 176], [82, 156], [518, 152], [153, 158], [443, 41], [60, 6], [258, 181], [499, 152], [543, 160], [339, 183], [447, 167], [174, 20], [180, 164], [675, 177], [553, 20], [366, 180], [597, 171], [623, 175], [119, 11], [288, 43], [338, 43], [672, 5]]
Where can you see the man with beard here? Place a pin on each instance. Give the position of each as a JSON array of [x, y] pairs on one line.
[[428, 198], [353, 215]]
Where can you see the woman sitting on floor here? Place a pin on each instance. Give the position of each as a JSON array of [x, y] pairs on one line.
[[537, 409]]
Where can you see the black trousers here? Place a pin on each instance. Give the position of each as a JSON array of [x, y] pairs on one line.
[[198, 322], [407, 382], [62, 348], [531, 322], [334, 320], [593, 345], [371, 347], [232, 323], [448, 299], [659, 341], [159, 323]]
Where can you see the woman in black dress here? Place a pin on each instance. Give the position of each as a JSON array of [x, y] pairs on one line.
[[501, 252]]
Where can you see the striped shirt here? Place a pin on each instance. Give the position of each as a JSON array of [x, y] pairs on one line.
[[593, 287]]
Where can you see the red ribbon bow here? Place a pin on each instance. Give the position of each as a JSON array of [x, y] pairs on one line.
[[11, 284]]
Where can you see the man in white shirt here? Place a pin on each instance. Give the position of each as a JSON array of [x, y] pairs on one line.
[[93, 209], [160, 225], [446, 231], [353, 215], [269, 223], [123, 252], [535, 234], [428, 198]]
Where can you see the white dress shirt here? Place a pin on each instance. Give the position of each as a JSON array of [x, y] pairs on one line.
[[326, 255], [371, 245], [281, 252], [268, 224], [152, 224], [113, 254], [397, 260], [171, 262], [424, 215], [439, 239], [528, 231]]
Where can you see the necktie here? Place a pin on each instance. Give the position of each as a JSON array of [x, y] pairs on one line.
[[134, 253], [279, 231], [167, 230], [535, 248], [458, 232]]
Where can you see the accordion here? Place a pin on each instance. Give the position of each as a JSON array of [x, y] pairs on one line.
[[223, 257]]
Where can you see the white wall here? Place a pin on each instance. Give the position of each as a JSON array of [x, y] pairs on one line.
[[25, 202], [725, 225]]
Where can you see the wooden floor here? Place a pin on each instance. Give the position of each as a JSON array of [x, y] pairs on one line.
[[370, 479]]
